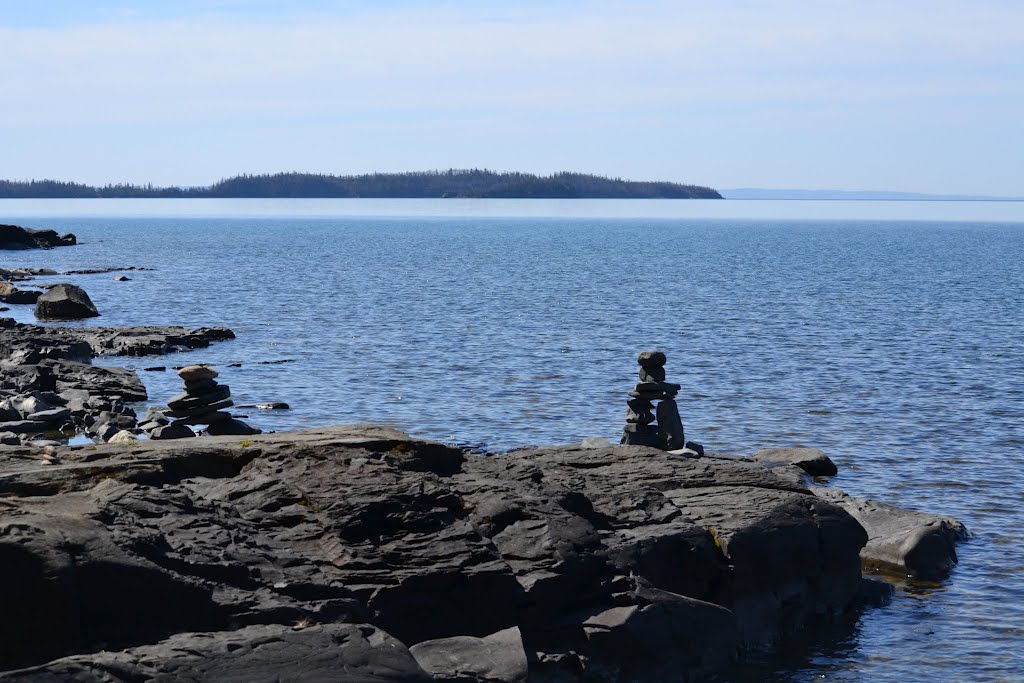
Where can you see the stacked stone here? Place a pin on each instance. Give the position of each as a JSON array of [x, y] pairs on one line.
[[645, 425], [204, 402]]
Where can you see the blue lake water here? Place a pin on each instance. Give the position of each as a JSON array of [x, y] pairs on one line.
[[888, 334]]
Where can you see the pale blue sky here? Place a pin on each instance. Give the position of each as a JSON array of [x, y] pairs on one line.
[[916, 95]]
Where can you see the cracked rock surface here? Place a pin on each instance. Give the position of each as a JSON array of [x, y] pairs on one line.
[[347, 546]]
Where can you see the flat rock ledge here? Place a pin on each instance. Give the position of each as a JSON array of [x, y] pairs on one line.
[[360, 554], [920, 545], [21, 343], [17, 237]]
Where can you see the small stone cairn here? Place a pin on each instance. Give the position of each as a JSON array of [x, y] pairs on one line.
[[204, 402], [646, 426]]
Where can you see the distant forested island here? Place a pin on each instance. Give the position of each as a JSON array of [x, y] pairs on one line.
[[474, 183]]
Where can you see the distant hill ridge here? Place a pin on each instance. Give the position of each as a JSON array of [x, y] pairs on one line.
[[873, 195], [429, 184]]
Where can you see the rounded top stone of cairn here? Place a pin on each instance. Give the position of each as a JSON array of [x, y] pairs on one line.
[[651, 359], [191, 373]]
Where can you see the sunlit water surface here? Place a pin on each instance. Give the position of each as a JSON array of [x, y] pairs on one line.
[[893, 344]]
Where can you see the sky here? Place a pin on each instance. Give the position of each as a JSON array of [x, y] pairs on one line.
[[914, 96]]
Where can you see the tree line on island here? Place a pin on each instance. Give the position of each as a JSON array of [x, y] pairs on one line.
[[468, 183]]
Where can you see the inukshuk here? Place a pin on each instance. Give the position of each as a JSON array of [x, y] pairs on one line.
[[645, 426], [204, 402]]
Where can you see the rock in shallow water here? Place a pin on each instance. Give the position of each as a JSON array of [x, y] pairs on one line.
[[65, 302], [914, 543], [174, 430]]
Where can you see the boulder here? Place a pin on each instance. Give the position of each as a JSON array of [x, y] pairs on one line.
[[8, 412], [9, 439], [154, 415], [121, 420], [15, 237], [231, 427], [101, 382], [104, 431], [24, 426], [124, 437], [52, 416], [670, 426], [701, 636], [65, 302], [33, 402], [908, 542], [12, 295], [174, 430], [497, 657], [22, 297], [810, 460]]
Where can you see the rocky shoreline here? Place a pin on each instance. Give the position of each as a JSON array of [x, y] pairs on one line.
[[413, 560], [360, 553], [50, 390]]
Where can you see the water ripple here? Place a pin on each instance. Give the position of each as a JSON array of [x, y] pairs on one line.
[[893, 346]]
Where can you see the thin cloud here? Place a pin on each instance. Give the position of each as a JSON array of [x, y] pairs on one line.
[[621, 69], [456, 57]]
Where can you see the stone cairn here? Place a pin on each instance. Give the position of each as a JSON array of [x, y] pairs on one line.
[[645, 426], [204, 402]]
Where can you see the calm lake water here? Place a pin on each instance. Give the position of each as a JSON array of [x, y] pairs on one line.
[[888, 334]]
